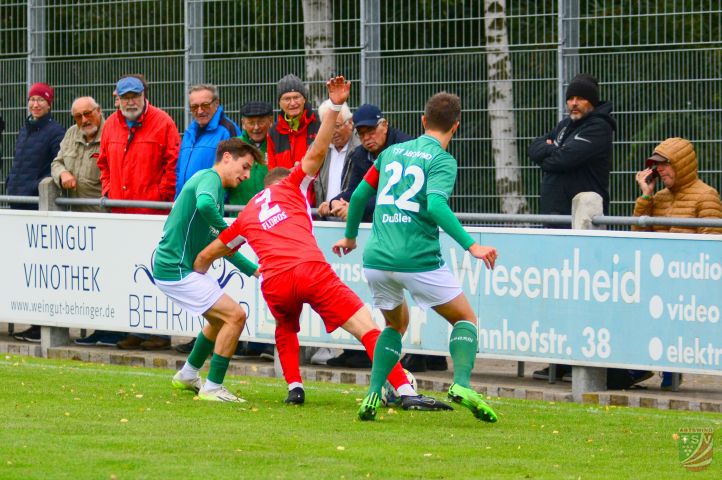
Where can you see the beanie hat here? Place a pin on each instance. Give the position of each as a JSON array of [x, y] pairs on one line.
[[42, 90], [584, 86], [291, 83]]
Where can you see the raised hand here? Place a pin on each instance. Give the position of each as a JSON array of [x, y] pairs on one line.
[[338, 89]]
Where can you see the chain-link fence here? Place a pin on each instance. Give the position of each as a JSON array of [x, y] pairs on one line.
[[658, 62]]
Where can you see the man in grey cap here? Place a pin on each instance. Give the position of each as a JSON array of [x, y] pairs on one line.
[[296, 126]]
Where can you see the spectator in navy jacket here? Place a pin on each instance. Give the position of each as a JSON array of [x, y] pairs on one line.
[[37, 145], [209, 127]]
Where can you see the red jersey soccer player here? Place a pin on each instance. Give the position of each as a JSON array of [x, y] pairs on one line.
[[277, 225]]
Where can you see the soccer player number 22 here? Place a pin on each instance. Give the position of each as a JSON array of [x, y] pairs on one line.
[[404, 201]]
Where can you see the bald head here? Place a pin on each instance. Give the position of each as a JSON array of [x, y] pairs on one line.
[[87, 115]]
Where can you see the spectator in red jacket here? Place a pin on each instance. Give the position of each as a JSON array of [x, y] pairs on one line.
[[138, 150], [296, 126]]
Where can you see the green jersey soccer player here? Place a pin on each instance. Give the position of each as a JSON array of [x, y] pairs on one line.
[[195, 221], [412, 182]]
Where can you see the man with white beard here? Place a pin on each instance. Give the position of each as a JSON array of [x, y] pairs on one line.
[[138, 149], [75, 169], [138, 155]]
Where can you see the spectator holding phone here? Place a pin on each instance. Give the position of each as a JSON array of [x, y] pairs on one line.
[[674, 163], [684, 195]]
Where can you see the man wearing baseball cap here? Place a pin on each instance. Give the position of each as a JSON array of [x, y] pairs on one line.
[[37, 145], [138, 149], [375, 135]]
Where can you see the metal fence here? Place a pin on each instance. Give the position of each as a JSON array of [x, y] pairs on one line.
[[658, 62]]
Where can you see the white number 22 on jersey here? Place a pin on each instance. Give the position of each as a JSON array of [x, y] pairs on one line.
[[266, 211], [404, 201]]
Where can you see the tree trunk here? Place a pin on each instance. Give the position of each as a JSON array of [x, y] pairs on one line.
[[501, 113], [318, 36]]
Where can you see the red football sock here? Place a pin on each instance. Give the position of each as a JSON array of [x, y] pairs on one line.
[[396, 377], [288, 351]]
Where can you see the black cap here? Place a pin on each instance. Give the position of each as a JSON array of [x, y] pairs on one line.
[[584, 86], [256, 109]]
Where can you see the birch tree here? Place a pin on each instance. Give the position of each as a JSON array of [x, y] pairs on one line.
[[318, 45], [501, 113]]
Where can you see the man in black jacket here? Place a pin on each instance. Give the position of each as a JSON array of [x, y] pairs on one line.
[[375, 134], [575, 157]]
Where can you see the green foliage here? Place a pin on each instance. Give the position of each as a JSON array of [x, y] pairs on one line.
[[70, 420]]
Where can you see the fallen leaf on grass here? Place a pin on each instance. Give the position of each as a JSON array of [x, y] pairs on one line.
[[123, 420], [340, 448]]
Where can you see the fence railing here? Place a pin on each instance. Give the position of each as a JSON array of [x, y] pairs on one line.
[[659, 62]]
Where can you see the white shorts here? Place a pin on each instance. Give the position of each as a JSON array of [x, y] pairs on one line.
[[196, 293], [428, 289]]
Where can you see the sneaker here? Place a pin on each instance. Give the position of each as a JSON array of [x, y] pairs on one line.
[[185, 348], [100, 337], [156, 342], [130, 342], [180, 383], [422, 402], [368, 408], [436, 363], [414, 363], [32, 334], [351, 359], [561, 371], [323, 355], [296, 396], [218, 395], [473, 401]]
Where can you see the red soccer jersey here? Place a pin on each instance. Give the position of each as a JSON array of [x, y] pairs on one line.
[[276, 223]]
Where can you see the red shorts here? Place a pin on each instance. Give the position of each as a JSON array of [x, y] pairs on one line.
[[314, 283]]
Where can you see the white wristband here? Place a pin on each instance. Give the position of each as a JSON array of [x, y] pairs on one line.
[[336, 108]]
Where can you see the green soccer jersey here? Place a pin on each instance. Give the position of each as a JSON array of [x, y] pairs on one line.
[[404, 237], [195, 220]]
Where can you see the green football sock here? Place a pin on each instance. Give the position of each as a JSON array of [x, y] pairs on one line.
[[201, 349], [386, 354], [218, 368], [463, 345]]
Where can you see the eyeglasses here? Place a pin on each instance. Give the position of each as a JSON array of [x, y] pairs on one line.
[[130, 97], [205, 106], [291, 98], [257, 122], [37, 100], [79, 116]]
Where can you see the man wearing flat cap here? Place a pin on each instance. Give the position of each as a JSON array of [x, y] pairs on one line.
[[138, 150], [296, 126], [256, 121], [210, 126], [575, 157]]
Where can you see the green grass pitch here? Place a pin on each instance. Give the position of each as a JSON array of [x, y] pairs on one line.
[[66, 419]]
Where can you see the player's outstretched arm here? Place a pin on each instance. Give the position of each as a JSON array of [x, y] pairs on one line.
[[216, 249], [338, 91], [359, 198], [344, 246]]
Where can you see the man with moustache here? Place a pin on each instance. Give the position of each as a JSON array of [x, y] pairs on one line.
[[575, 157], [75, 169], [138, 150]]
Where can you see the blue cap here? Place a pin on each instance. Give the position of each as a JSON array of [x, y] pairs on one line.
[[367, 115], [129, 84]]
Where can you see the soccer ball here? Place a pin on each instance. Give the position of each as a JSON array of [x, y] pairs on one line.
[[389, 395]]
